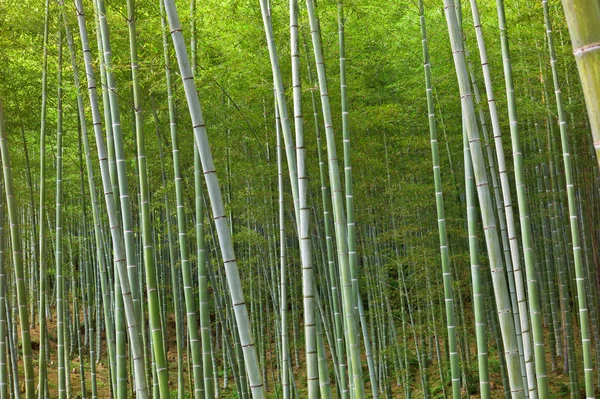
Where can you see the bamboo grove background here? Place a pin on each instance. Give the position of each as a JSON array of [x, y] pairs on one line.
[[286, 199]]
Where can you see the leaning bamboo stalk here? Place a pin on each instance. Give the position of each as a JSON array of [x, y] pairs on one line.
[[304, 236], [214, 191], [503, 194], [60, 301], [124, 197], [501, 293], [338, 210], [116, 229], [281, 104], [588, 367], [331, 272], [17, 255]]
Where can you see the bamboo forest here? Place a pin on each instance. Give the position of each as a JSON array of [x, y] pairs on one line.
[[299, 199]]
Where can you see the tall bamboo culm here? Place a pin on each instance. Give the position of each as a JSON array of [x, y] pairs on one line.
[[214, 191], [441, 215], [501, 293], [588, 367], [583, 19], [17, 255]]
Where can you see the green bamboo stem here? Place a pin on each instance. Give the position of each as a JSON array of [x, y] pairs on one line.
[[281, 104], [174, 265], [222, 226], [501, 293], [503, 196], [441, 217], [351, 322], [588, 367], [60, 311], [331, 269], [532, 296], [4, 374], [283, 310], [207, 370], [124, 197], [186, 273], [116, 230], [583, 20], [17, 255], [156, 326], [478, 305], [304, 235], [100, 253], [42, 365]]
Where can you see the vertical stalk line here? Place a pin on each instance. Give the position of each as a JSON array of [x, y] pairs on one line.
[[478, 305], [501, 293], [221, 224], [281, 103], [4, 375], [588, 367], [285, 360], [207, 369], [441, 217], [60, 308], [175, 272], [42, 365], [331, 270], [125, 200], [350, 218], [115, 227], [304, 236], [506, 214], [583, 20], [16, 244], [338, 210], [497, 135], [186, 272], [107, 301], [156, 326]]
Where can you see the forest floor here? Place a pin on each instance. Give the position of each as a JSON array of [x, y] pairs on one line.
[[557, 379]]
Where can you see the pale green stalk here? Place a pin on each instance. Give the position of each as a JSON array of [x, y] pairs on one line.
[[441, 216], [207, 369], [588, 367], [285, 360], [156, 327], [501, 293], [17, 255], [348, 299], [304, 235], [104, 283], [60, 301], [42, 365], [583, 19], [214, 191], [115, 227], [532, 296], [174, 267]]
